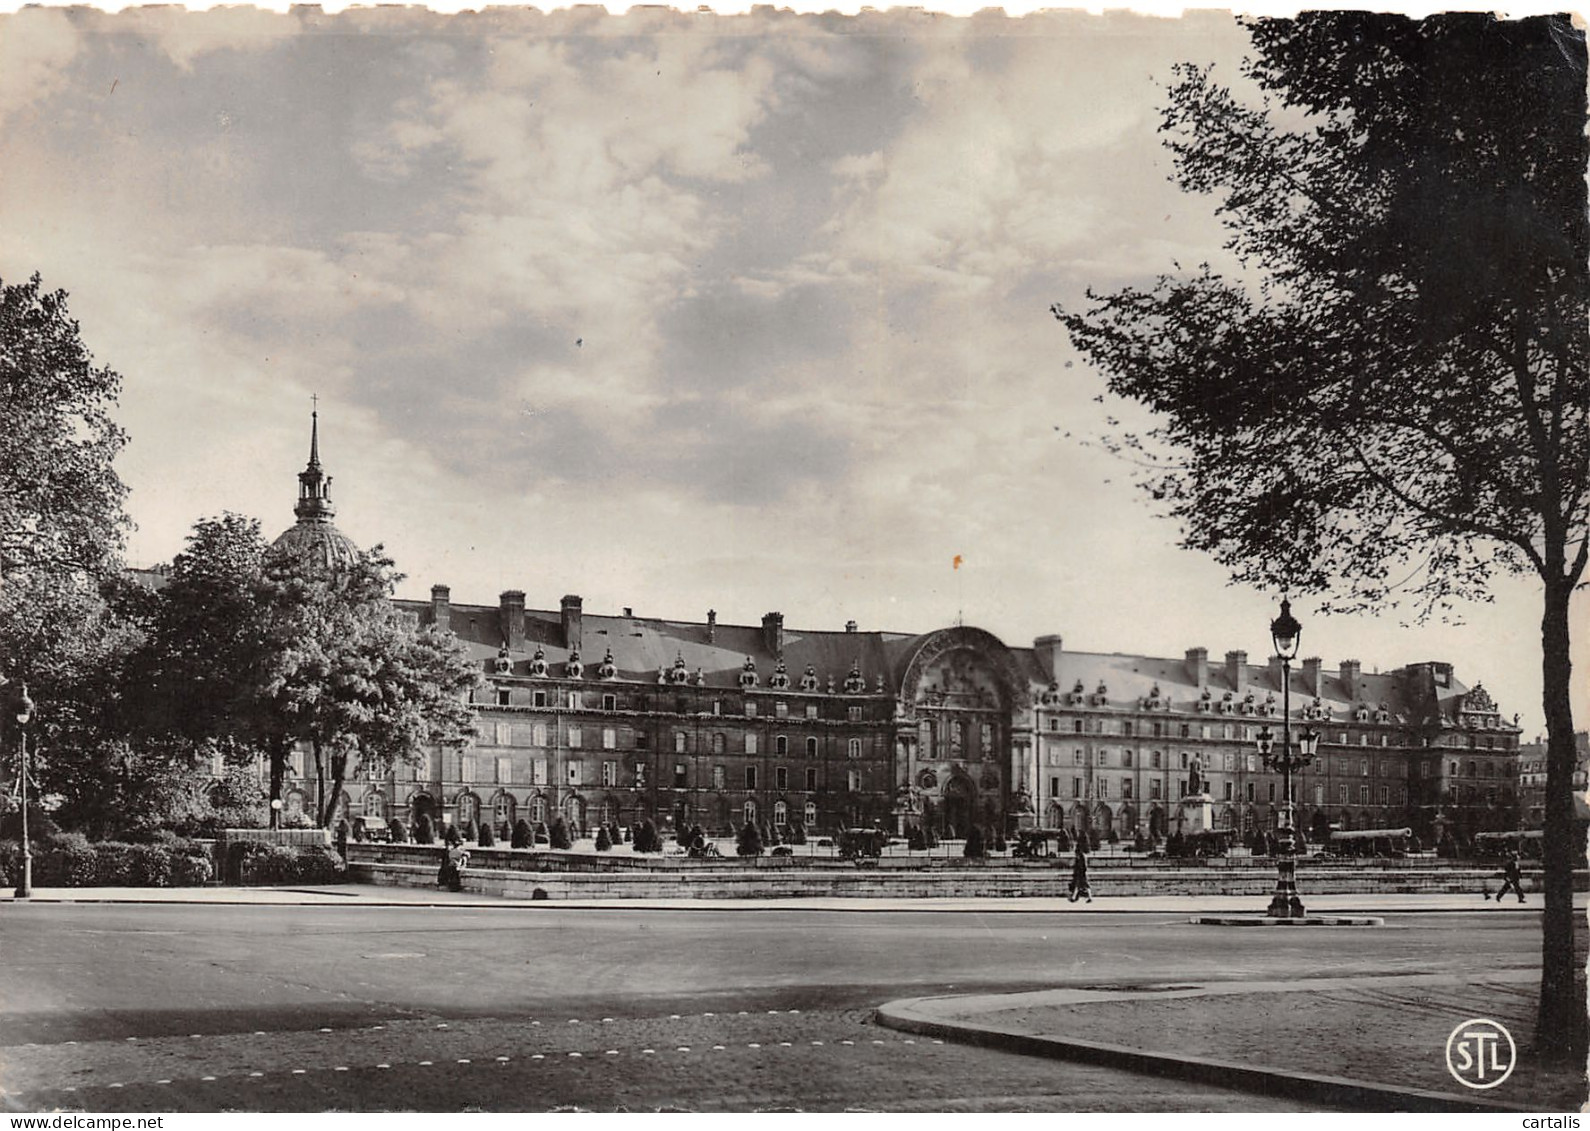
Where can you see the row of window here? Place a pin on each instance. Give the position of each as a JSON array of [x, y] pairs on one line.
[[951, 736], [574, 699], [611, 771], [504, 810], [576, 738], [1101, 787]]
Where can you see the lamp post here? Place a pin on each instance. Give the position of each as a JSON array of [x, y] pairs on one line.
[[24, 713], [1285, 633]]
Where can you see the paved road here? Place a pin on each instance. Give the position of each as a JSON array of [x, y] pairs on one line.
[[317, 1007]]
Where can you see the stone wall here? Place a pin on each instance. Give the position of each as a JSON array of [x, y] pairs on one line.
[[520, 875]]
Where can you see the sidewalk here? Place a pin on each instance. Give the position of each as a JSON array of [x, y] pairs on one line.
[[372, 895], [1366, 1043]]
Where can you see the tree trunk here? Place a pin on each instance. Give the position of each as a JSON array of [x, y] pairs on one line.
[[276, 753], [320, 785], [339, 773], [1560, 1033]]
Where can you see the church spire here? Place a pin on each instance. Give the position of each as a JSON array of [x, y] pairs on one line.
[[314, 487]]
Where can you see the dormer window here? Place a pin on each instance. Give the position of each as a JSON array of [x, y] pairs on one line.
[[573, 668], [607, 669], [780, 678], [855, 682], [503, 664], [1206, 702], [748, 674], [809, 679], [679, 673], [538, 663]]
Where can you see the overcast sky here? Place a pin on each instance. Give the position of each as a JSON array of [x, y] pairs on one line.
[[673, 312]]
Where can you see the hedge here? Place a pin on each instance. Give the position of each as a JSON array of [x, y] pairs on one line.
[[71, 861], [251, 862]]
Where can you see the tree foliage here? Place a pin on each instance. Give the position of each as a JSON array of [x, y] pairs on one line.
[[60, 499], [1387, 399]]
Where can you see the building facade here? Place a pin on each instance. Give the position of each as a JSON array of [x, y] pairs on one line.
[[614, 719]]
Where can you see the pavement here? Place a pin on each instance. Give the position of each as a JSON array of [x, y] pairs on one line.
[[1120, 1004], [376, 895]]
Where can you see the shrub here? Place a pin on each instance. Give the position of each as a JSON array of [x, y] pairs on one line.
[[318, 865], [797, 833], [603, 841], [115, 865], [974, 843], [400, 832], [749, 842], [423, 832], [930, 837], [239, 857], [999, 842], [523, 835], [149, 865], [10, 862], [451, 836], [1062, 842], [1114, 837], [559, 836], [189, 871], [469, 833], [487, 838]]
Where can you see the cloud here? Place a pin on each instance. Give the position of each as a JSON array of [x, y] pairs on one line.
[[36, 44], [184, 36]]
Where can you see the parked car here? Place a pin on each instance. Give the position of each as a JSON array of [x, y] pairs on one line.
[[372, 829]]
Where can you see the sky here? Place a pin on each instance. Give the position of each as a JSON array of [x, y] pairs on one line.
[[672, 311]]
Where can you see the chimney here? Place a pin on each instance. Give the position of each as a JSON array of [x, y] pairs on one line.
[[773, 633], [1311, 676], [1198, 666], [628, 612], [573, 630], [1236, 665], [441, 607], [850, 626], [1350, 669], [511, 608], [1047, 650], [712, 625]]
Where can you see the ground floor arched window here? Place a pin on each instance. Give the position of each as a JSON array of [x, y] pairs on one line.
[[502, 811], [538, 809], [780, 814], [811, 815], [375, 804], [748, 811], [466, 809]]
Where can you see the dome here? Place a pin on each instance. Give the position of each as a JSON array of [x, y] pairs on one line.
[[313, 538], [321, 543]]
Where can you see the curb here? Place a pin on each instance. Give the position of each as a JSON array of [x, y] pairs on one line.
[[1335, 1091], [1267, 921]]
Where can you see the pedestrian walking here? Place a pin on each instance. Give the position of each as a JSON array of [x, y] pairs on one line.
[[1512, 877], [1079, 873]]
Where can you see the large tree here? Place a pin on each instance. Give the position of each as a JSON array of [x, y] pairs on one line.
[[1386, 398], [348, 674]]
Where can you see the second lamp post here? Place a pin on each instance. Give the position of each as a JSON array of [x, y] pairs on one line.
[[1285, 634]]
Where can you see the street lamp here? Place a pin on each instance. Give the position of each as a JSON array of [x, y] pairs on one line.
[[24, 713], [1285, 634]]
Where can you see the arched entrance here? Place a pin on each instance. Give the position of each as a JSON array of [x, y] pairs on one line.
[[421, 805], [957, 806]]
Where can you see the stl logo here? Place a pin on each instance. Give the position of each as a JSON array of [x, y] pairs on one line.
[[1480, 1053]]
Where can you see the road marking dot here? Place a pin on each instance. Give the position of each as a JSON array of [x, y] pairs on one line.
[[195, 1036], [742, 1013], [463, 1060], [877, 1042], [377, 1028], [818, 1043], [606, 1019], [937, 1042], [325, 1030], [502, 1060], [673, 1017], [753, 1045], [256, 1074], [574, 1021], [771, 1012], [847, 1042], [717, 1048], [132, 1038], [425, 1063], [612, 1052], [162, 1081], [794, 1011], [340, 1068], [648, 1052], [383, 1066], [68, 1042], [300, 1071], [709, 1015], [118, 1085], [785, 1044], [206, 1077], [575, 1055], [684, 1048], [535, 1022], [537, 1056], [443, 1025], [909, 1041], [69, 1088]]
